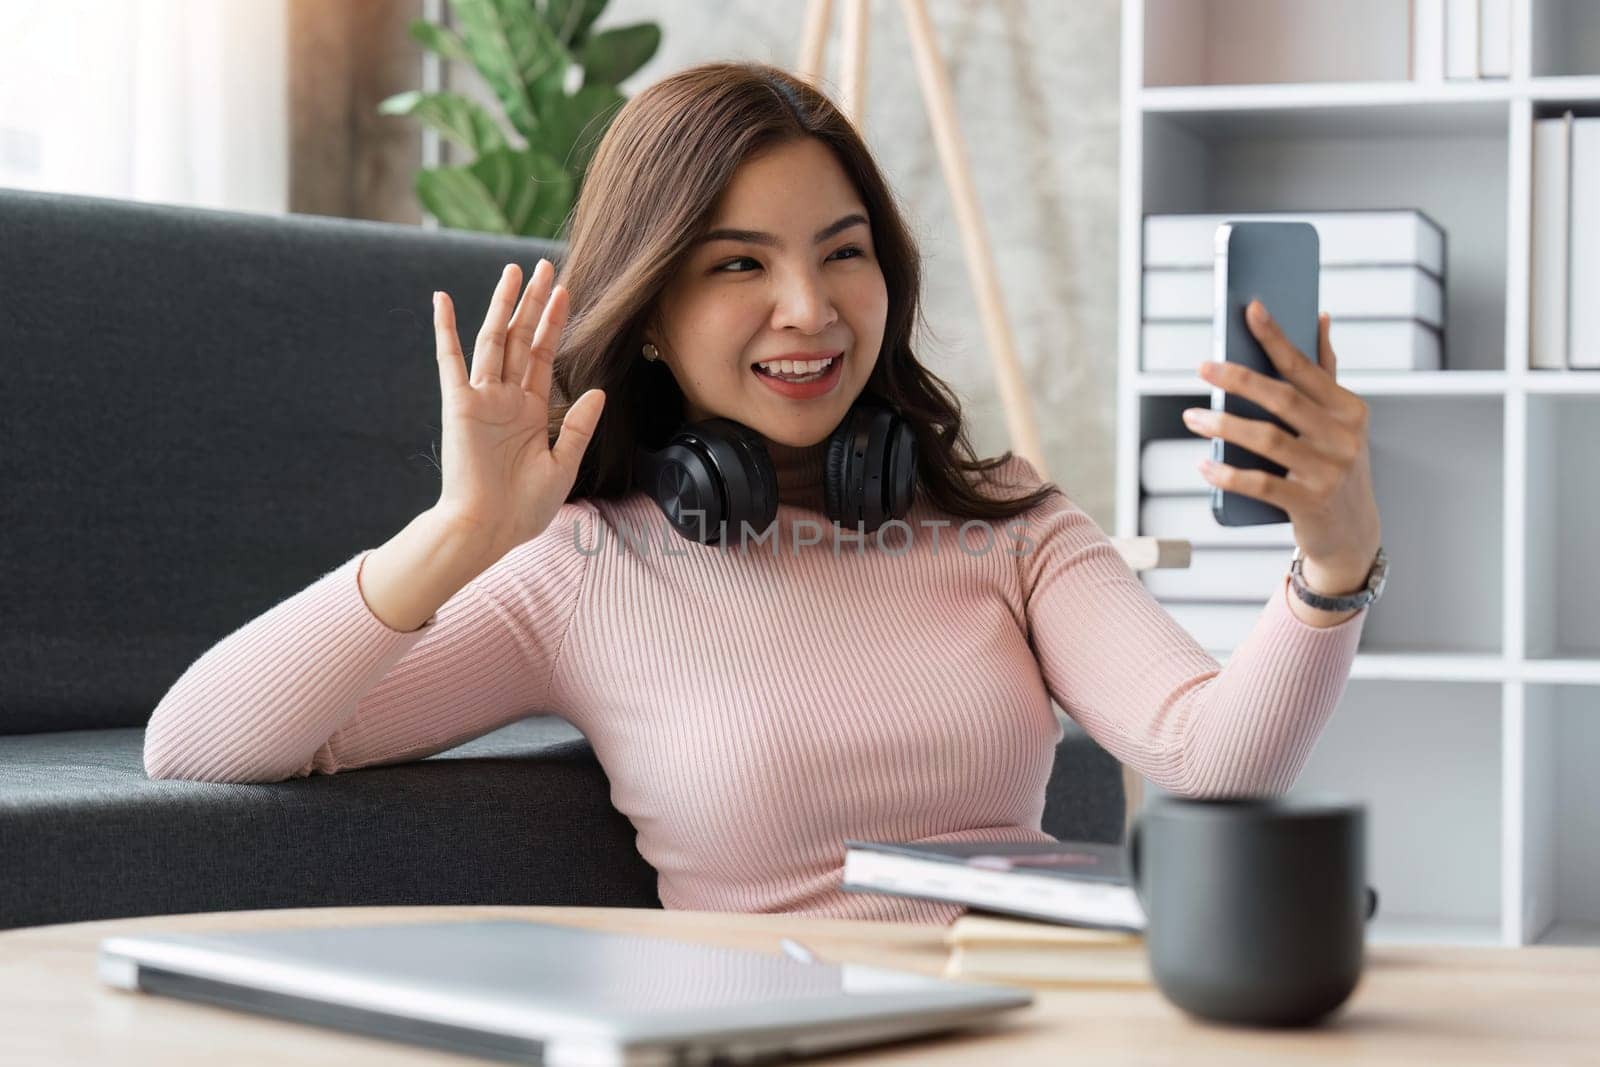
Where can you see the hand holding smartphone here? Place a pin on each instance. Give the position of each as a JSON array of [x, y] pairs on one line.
[[1279, 264]]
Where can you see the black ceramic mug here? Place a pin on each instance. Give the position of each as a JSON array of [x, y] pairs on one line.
[[1255, 908]]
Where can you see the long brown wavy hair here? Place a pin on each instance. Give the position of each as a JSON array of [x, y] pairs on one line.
[[648, 193]]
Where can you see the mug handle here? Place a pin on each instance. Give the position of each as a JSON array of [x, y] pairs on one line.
[[1372, 902]]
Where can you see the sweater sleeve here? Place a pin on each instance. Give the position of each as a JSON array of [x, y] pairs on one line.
[[1141, 685], [318, 683]]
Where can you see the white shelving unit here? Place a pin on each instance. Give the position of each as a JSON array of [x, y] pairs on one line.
[[1472, 716]]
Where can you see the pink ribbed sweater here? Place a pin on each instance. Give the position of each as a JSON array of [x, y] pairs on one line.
[[755, 708]]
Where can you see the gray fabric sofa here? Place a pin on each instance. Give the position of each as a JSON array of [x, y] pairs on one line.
[[203, 412]]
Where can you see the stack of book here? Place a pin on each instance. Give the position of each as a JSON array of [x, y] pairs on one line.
[[1040, 913], [1232, 569], [1455, 40], [1564, 268], [1381, 279]]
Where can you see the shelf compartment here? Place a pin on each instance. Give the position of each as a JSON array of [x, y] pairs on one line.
[[1438, 473], [1448, 160], [1561, 814], [1436, 867], [1565, 38], [1209, 42], [1563, 528]]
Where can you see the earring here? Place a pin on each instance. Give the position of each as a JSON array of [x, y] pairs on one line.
[[651, 352]]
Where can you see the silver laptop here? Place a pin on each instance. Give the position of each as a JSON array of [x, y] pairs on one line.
[[532, 992]]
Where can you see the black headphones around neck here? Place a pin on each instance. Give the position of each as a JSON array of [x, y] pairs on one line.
[[716, 474]]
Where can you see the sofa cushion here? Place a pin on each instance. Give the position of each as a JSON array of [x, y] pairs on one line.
[[204, 411], [522, 815], [519, 816]]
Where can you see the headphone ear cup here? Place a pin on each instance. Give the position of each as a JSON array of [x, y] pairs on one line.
[[870, 469], [710, 478], [751, 490], [902, 467], [682, 479], [833, 472]]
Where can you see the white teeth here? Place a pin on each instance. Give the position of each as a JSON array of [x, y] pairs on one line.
[[790, 366]]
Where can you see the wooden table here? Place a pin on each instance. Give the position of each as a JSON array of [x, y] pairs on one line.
[[1415, 1006]]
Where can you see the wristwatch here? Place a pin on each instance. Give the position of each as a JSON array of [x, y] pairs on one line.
[[1359, 599]]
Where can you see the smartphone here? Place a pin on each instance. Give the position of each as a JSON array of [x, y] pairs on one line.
[[1278, 264]]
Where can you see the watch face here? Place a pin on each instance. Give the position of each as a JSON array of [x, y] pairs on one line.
[[1382, 577]]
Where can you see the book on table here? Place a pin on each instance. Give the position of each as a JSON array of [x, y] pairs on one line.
[[998, 948], [1077, 883]]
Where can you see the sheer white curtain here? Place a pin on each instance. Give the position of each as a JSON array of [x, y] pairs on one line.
[[179, 101]]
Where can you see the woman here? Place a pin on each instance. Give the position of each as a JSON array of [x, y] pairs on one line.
[[754, 708]]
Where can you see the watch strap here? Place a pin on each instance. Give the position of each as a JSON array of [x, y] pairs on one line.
[[1348, 602]]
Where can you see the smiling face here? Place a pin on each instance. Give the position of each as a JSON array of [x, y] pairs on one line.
[[802, 279]]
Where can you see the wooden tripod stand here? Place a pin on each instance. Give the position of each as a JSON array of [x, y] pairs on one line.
[[1141, 553]]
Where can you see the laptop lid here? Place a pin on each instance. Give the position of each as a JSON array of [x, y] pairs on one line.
[[533, 992]]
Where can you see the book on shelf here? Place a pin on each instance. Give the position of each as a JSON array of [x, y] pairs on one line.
[[1078, 883], [1346, 238], [1379, 292], [1461, 39], [1361, 344], [1472, 38], [1221, 574], [1219, 624], [1189, 518], [1171, 465], [1220, 595], [1547, 265], [1583, 311], [1494, 38], [1030, 952], [1564, 260], [1427, 40]]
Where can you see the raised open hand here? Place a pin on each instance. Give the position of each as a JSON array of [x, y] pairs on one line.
[[501, 476]]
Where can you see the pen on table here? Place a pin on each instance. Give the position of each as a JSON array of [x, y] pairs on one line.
[[796, 950]]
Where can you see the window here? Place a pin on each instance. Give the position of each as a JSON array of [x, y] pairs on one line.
[[179, 101]]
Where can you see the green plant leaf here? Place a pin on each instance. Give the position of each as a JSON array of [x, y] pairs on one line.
[[438, 39], [570, 19], [511, 190], [462, 120], [573, 125], [458, 200], [515, 52], [611, 56]]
